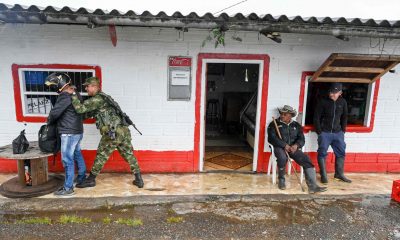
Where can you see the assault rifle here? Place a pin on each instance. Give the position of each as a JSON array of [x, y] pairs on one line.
[[126, 120]]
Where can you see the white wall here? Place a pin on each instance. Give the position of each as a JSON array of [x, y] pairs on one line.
[[135, 74]]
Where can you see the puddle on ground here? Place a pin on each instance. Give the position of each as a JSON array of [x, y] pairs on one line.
[[278, 212]]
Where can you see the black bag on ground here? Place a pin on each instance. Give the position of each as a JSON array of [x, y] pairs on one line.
[[49, 140], [20, 144]]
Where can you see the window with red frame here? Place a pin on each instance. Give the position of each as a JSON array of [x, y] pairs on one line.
[[361, 101], [33, 98]]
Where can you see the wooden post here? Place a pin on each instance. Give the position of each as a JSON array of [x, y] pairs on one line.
[[21, 171], [39, 172]]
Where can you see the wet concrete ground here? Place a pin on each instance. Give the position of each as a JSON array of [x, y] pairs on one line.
[[207, 206], [275, 217]]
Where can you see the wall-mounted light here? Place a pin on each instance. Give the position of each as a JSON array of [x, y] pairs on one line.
[[274, 36], [246, 76]]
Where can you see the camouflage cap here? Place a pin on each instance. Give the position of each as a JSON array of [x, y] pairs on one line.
[[92, 80]]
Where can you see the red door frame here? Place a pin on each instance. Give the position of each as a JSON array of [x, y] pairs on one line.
[[199, 101]]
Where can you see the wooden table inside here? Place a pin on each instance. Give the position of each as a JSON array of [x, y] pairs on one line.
[[41, 183]]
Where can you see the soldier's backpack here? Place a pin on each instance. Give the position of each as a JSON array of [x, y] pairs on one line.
[[49, 139]]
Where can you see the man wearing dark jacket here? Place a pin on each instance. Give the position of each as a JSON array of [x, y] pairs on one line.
[[290, 144], [330, 121], [70, 127]]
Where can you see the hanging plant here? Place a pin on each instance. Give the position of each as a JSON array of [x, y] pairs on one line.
[[217, 35]]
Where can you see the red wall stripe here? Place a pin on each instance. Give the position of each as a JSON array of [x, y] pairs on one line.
[[182, 161]]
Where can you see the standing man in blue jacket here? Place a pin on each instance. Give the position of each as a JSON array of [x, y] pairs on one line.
[[70, 127], [330, 121]]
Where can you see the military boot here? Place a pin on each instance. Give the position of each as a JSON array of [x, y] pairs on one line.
[[281, 179], [322, 170], [88, 182], [138, 180], [311, 181], [339, 170]]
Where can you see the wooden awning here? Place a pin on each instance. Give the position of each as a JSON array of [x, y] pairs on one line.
[[355, 68]]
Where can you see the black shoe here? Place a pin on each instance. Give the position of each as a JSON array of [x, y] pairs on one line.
[[311, 181], [339, 170], [281, 184], [281, 179], [62, 192], [138, 180], [322, 170], [79, 179], [342, 178], [88, 182]]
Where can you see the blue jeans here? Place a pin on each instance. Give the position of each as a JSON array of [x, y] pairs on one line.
[[335, 140], [70, 151]]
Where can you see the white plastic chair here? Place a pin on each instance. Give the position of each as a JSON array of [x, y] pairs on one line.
[[273, 166]]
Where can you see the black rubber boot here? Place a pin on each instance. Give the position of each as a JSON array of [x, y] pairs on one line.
[[88, 182], [281, 179], [322, 170], [311, 181], [138, 180], [339, 170]]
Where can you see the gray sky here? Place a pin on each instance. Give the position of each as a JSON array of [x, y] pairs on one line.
[[376, 9]]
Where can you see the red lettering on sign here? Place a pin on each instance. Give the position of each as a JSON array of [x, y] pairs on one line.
[[180, 61]]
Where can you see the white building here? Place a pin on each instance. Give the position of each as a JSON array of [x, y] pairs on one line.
[[187, 99]]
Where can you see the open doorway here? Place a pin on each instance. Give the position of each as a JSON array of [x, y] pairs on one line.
[[230, 116]]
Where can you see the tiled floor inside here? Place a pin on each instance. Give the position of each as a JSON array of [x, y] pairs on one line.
[[228, 158]]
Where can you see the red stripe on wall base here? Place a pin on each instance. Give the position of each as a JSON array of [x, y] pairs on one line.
[[182, 162]]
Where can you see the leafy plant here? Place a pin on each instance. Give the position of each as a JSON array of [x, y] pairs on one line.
[[106, 220], [216, 34], [174, 219], [130, 221]]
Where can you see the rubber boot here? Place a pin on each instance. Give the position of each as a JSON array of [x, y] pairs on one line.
[[88, 182], [311, 181], [138, 180], [339, 170], [322, 170], [281, 179]]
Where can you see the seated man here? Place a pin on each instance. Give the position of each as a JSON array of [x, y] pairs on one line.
[[288, 143]]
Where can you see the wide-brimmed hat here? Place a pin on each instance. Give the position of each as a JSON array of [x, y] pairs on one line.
[[288, 109]]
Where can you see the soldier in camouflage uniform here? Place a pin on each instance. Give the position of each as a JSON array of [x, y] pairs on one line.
[[114, 131]]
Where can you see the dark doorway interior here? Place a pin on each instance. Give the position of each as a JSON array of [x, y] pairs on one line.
[[230, 102]]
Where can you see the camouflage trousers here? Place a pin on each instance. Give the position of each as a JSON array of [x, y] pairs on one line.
[[122, 143]]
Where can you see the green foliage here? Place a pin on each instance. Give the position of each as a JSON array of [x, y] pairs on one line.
[[174, 219], [106, 220], [216, 34], [45, 220], [130, 221], [73, 219]]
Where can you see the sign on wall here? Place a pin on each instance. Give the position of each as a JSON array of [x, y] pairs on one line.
[[179, 78]]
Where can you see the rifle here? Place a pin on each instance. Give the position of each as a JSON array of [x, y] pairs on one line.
[[125, 118], [287, 154]]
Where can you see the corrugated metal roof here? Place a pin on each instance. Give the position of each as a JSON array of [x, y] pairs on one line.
[[252, 22]]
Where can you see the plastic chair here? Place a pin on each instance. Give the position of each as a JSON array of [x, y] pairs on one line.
[[273, 166]]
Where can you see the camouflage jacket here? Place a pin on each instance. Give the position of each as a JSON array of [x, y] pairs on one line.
[[106, 116]]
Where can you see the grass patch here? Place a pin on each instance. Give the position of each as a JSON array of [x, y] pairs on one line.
[[106, 220], [130, 221], [44, 220], [174, 219], [73, 219]]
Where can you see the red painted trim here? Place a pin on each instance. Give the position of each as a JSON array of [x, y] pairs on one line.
[[261, 165], [17, 88], [350, 128], [182, 161]]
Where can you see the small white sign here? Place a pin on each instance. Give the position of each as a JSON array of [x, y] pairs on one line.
[[179, 77]]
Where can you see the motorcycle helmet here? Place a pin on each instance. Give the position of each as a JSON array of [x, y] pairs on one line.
[[58, 81]]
